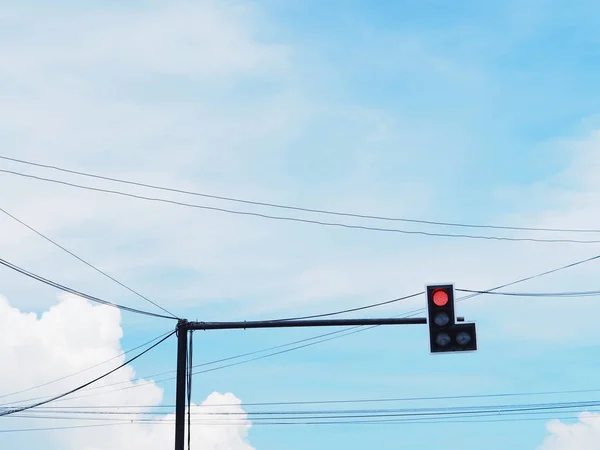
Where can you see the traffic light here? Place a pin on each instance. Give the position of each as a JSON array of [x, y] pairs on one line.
[[445, 335]]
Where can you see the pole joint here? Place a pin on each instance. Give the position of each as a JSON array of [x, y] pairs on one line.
[[182, 326]]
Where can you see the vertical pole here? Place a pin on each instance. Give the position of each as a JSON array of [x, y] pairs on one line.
[[182, 332]]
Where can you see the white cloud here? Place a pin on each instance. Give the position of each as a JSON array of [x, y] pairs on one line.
[[577, 193], [154, 95], [190, 95], [583, 435], [92, 103], [205, 39], [74, 335], [101, 89]]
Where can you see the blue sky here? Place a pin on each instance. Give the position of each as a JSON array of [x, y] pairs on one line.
[[478, 112]]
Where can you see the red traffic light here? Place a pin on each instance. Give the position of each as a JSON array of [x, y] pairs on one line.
[[440, 297]]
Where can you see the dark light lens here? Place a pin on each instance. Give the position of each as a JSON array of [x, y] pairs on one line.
[[463, 338], [442, 339], [442, 319]]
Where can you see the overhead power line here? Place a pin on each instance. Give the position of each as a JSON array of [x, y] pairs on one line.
[[290, 417], [334, 335], [209, 363], [532, 277], [360, 308], [78, 388], [270, 348], [388, 422], [84, 370], [357, 329], [328, 336], [379, 422], [201, 418], [354, 413], [301, 220], [295, 208], [83, 408], [79, 293], [536, 294], [213, 369], [302, 341], [73, 427], [85, 262]]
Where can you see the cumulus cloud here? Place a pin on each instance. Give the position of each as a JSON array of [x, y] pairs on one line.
[[70, 337], [583, 435], [96, 85]]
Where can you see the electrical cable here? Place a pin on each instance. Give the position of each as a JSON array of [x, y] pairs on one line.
[[30, 430], [196, 366], [360, 308], [79, 293], [85, 262], [300, 220], [353, 423], [285, 345], [347, 401], [535, 294], [78, 388], [348, 330], [480, 410], [356, 329], [295, 208], [532, 277], [470, 409], [288, 344], [302, 420], [297, 421], [219, 367], [359, 328], [272, 348], [84, 370]]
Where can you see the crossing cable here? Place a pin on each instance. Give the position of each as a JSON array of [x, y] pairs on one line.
[[301, 220], [392, 418], [522, 280], [345, 311], [335, 334], [342, 333], [347, 332], [334, 423], [259, 351], [79, 293], [293, 208], [294, 416], [83, 370], [82, 408], [335, 413], [536, 294], [73, 427], [358, 329], [78, 388], [85, 262]]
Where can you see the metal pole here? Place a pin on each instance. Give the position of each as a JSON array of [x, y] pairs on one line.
[[184, 326], [303, 323], [182, 332]]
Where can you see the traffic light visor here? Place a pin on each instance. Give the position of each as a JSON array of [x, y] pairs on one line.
[[440, 297]]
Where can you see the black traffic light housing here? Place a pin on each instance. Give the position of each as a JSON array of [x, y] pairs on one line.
[[445, 335]]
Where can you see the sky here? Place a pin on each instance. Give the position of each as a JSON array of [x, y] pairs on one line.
[[465, 112]]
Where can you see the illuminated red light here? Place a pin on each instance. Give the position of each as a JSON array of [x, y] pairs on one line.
[[440, 297]]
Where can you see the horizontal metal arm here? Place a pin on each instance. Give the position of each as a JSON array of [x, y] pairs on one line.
[[301, 323]]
